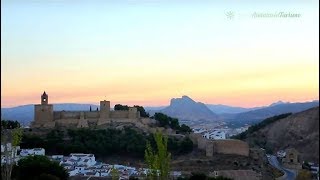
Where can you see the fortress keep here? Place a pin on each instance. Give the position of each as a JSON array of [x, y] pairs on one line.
[[44, 116]]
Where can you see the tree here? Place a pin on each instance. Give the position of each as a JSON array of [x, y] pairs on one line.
[[158, 161], [47, 177], [114, 173], [202, 176], [304, 175], [162, 118], [8, 124], [185, 129], [119, 107], [186, 145], [39, 167], [142, 111], [11, 140], [174, 123], [198, 176]]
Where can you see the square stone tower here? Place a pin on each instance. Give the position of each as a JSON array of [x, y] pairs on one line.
[[104, 112], [43, 113]]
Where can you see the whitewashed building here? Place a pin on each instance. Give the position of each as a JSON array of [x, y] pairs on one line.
[[281, 154], [215, 134], [34, 151]]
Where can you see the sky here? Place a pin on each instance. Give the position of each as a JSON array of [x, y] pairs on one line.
[[147, 52]]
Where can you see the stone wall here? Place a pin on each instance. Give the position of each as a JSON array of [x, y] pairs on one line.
[[92, 115], [123, 120], [67, 122], [237, 174], [231, 146], [119, 114], [209, 150], [70, 114], [43, 113], [194, 138], [75, 114], [57, 115], [227, 146], [49, 124], [202, 143], [83, 123]]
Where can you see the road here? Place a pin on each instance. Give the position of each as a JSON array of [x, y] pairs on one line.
[[291, 175]]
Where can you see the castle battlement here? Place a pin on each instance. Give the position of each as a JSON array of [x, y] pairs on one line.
[[44, 116]]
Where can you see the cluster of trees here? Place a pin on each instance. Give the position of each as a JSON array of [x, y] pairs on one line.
[[39, 168], [120, 107], [260, 125], [173, 123], [101, 142], [143, 113], [8, 124]]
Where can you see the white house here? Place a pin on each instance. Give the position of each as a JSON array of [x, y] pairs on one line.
[[84, 159], [73, 172], [199, 130], [281, 154], [35, 151], [57, 156], [215, 134]]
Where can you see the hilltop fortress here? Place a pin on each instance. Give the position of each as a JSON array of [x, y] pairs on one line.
[[44, 116]]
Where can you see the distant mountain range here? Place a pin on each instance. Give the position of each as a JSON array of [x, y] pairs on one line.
[[184, 108], [224, 109], [255, 116], [187, 109]]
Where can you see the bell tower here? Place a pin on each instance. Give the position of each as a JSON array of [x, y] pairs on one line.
[[44, 98], [43, 113]]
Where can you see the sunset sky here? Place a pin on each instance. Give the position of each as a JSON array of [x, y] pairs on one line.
[[147, 52]]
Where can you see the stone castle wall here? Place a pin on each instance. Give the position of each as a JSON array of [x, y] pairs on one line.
[[91, 115], [231, 146], [67, 122], [70, 115], [44, 116], [227, 146], [119, 114], [75, 114]]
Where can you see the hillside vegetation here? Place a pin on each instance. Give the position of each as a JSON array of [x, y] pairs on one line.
[[102, 143], [299, 131]]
